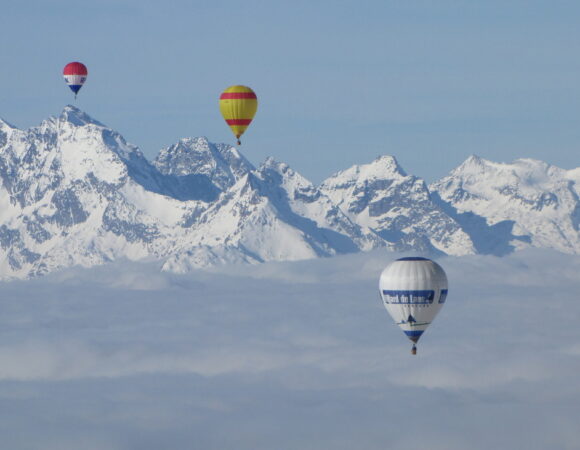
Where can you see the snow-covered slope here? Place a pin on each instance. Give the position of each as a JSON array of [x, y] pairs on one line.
[[272, 213], [513, 206], [397, 206], [75, 193]]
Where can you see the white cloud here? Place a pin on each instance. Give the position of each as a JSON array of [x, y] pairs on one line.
[[291, 355]]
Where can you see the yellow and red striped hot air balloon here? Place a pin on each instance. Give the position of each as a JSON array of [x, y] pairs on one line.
[[238, 105]]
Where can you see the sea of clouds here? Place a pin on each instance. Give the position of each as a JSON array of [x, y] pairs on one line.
[[293, 355]]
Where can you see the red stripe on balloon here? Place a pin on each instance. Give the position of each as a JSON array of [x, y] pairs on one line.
[[238, 121], [75, 68], [237, 95]]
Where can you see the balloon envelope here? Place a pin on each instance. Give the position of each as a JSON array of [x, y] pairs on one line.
[[238, 105], [75, 74], [413, 291]]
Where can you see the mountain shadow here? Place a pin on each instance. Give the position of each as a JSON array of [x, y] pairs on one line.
[[487, 239], [183, 188]]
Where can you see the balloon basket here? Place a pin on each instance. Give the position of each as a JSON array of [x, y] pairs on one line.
[[414, 350]]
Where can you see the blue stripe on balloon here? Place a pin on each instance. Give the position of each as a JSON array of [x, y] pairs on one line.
[[413, 333], [75, 87]]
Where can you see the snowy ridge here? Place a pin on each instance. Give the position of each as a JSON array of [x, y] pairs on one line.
[[397, 206], [74, 192], [271, 213], [514, 206]]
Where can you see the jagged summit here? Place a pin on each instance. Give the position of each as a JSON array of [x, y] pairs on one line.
[[385, 166], [474, 162], [222, 163], [284, 173], [388, 162], [271, 163], [77, 117], [397, 206]]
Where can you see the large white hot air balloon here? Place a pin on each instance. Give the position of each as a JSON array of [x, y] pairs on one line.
[[413, 291]]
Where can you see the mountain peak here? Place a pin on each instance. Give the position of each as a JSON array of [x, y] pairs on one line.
[[75, 116], [4, 124], [474, 164], [388, 163], [193, 143], [475, 159], [383, 167], [199, 157], [271, 163]]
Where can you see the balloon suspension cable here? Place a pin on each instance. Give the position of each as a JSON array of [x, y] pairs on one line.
[[414, 350]]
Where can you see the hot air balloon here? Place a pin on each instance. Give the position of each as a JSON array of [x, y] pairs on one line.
[[238, 105], [413, 291], [75, 75]]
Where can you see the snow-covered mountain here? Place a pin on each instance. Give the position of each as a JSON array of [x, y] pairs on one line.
[[272, 213], [397, 206], [74, 192], [512, 206]]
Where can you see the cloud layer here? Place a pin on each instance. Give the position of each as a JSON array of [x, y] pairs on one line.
[[291, 355]]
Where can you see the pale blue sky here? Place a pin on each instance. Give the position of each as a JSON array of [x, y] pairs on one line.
[[339, 82]]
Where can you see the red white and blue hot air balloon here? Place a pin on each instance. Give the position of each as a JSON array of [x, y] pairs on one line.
[[75, 75]]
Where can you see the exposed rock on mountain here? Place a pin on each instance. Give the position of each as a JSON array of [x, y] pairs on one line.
[[397, 206]]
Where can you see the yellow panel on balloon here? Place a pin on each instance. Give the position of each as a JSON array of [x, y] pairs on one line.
[[238, 105]]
